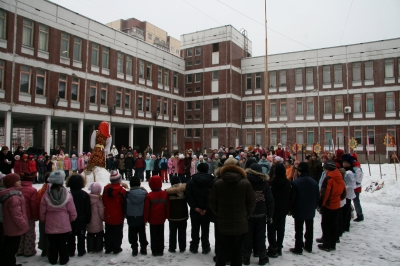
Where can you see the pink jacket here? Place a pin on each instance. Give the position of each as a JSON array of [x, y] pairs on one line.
[[193, 169], [81, 163], [67, 164], [15, 221], [30, 194], [171, 166], [96, 223], [58, 217]]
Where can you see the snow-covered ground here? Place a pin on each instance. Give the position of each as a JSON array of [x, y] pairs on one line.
[[375, 241]]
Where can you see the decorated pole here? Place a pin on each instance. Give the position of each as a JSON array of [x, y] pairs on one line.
[[369, 168], [380, 168], [394, 162]]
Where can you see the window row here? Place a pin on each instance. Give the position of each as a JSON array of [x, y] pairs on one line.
[[197, 51]]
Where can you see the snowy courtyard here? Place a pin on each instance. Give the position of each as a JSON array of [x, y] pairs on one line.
[[375, 241]]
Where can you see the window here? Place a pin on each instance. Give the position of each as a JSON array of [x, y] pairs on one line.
[[95, 54], [258, 109], [120, 63], [371, 134], [283, 136], [274, 136], [2, 24], [390, 101], [369, 75], [189, 105], [25, 85], [328, 135], [273, 108], [189, 52], [215, 47], [248, 81], [75, 89], [62, 86], [65, 44], [258, 80], [339, 136], [158, 104], [249, 109], [189, 90], [357, 71], [215, 132], [148, 72], [166, 77], [148, 103], [128, 68], [175, 80], [189, 63], [165, 106], [357, 103], [105, 57], [370, 102], [299, 136], [43, 38], [159, 75], [103, 94], [272, 79], [141, 69], [189, 78], [197, 77], [140, 102], [197, 105], [283, 107], [215, 75], [258, 136], [118, 97], [197, 89], [338, 104], [309, 76], [282, 78], [327, 74], [327, 105], [127, 101], [149, 36], [189, 132], [358, 134], [249, 137], [175, 108], [299, 106], [197, 132], [197, 62], [93, 92], [77, 49], [197, 50], [338, 73], [40, 82], [215, 103], [1, 74], [310, 106], [299, 77], [27, 34], [310, 135], [389, 68]]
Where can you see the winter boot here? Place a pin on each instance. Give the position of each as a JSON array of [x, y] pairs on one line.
[[272, 252], [359, 218], [263, 261], [246, 260], [143, 250], [134, 252], [99, 242], [90, 243]]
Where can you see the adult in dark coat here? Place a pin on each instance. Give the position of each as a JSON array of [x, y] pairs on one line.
[[84, 211], [129, 165], [232, 200], [197, 192], [281, 188], [315, 167], [187, 164], [73, 151], [6, 160], [19, 151], [263, 212], [304, 200], [166, 153]]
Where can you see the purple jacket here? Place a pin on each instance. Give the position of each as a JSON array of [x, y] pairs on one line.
[[57, 211], [96, 223], [15, 221]]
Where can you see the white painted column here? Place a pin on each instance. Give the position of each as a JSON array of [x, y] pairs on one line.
[[80, 135], [151, 131], [59, 137], [7, 130], [131, 135], [113, 137], [68, 138], [47, 133]]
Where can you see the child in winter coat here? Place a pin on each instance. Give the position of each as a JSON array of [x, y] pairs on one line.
[[15, 221], [149, 167], [156, 168], [60, 163], [193, 166], [32, 164], [95, 228], [121, 166], [114, 201], [24, 164], [17, 164], [134, 215], [109, 162], [171, 167], [163, 165], [140, 165], [129, 165], [74, 164], [81, 163], [178, 215], [67, 165], [43, 241], [41, 167], [83, 209], [156, 211], [28, 244], [57, 211]]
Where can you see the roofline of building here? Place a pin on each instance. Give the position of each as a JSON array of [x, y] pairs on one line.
[[228, 25]]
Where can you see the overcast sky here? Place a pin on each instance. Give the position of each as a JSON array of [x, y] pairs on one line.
[[293, 25]]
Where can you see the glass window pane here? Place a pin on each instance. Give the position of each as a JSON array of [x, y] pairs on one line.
[[368, 70], [389, 101], [327, 74], [299, 77], [74, 92], [356, 72], [93, 95], [27, 34], [2, 24], [309, 76], [127, 101], [24, 87], [338, 73], [77, 48], [105, 57], [40, 85], [64, 45], [389, 70]]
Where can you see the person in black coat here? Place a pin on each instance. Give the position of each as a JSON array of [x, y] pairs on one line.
[[303, 203], [187, 162], [262, 214], [197, 191], [6, 160], [281, 188], [156, 169], [84, 211], [129, 165]]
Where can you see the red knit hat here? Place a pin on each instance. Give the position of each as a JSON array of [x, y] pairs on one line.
[[28, 177], [10, 180]]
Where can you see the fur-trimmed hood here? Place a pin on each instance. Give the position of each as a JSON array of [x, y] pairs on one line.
[[7, 193], [255, 176], [57, 199], [176, 189], [232, 173]]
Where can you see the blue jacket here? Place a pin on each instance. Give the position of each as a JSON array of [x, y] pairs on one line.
[[74, 164], [149, 164], [163, 164], [265, 166], [134, 205], [304, 197]]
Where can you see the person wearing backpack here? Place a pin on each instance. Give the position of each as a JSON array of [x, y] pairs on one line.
[[163, 165]]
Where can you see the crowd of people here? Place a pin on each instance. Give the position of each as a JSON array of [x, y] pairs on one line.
[[247, 194]]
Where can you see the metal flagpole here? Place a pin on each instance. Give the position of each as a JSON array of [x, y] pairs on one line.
[[266, 83]]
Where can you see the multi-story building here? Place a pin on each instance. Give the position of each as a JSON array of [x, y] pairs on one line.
[[62, 73]]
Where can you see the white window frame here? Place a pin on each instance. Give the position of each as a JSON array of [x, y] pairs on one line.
[[103, 92], [105, 57], [3, 19], [43, 44], [65, 38], [95, 51], [27, 33], [42, 76], [120, 63], [62, 79], [75, 85], [26, 70], [77, 49]]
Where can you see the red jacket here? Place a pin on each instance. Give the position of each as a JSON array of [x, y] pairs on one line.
[[24, 166], [156, 204], [15, 222], [114, 200], [17, 167], [279, 152], [31, 205], [332, 189], [140, 163], [181, 167], [32, 166]]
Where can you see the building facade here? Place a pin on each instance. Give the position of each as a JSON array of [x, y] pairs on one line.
[[62, 74]]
